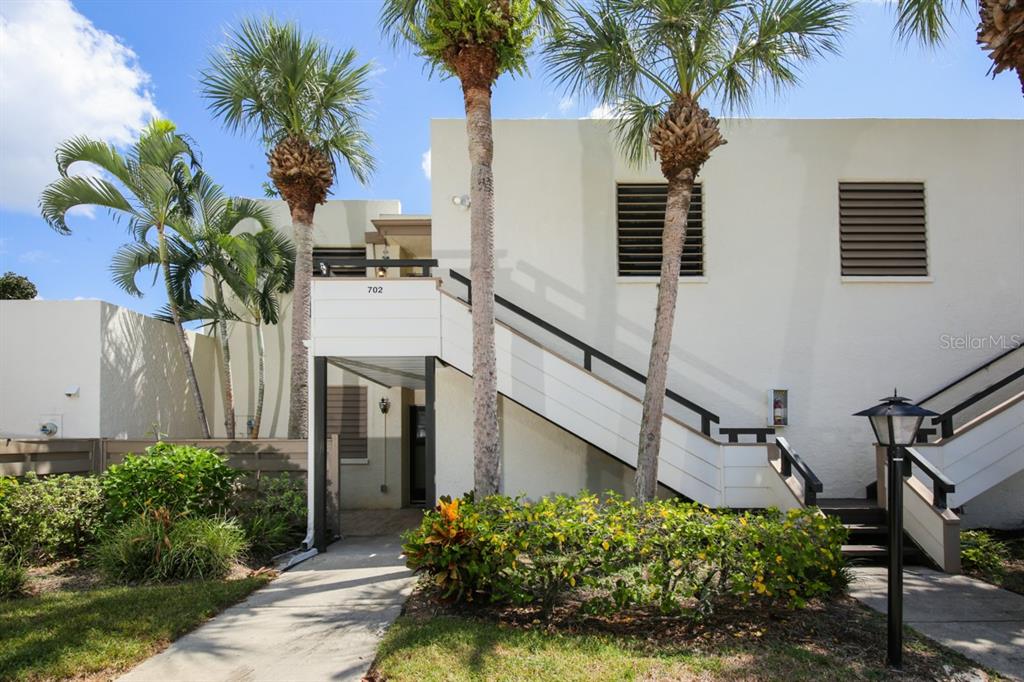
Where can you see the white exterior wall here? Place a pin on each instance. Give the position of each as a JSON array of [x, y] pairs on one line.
[[45, 348], [539, 458], [127, 367], [773, 310]]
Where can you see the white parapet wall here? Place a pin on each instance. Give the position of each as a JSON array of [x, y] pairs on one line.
[[97, 370]]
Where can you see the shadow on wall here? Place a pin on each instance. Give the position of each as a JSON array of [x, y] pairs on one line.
[[143, 383]]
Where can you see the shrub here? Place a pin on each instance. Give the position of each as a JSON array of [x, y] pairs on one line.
[[613, 554], [181, 479], [12, 577], [52, 517], [273, 516], [156, 547], [984, 555]]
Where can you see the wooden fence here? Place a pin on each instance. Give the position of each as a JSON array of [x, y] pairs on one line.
[[266, 456], [94, 455]]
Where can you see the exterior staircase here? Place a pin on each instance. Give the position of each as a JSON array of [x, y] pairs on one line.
[[868, 532]]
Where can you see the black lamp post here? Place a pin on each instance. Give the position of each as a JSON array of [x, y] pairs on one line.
[[895, 422]]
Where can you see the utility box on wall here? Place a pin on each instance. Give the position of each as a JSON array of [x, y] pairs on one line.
[[778, 406]]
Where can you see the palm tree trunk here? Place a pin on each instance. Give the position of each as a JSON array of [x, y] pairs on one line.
[[262, 379], [677, 205], [302, 220], [225, 349], [486, 446], [186, 353]]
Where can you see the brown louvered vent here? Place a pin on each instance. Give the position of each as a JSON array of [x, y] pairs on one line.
[[351, 252], [641, 219], [882, 229], [346, 416]]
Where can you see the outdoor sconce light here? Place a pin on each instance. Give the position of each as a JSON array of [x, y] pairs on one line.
[[381, 270], [895, 421], [72, 392], [385, 405], [461, 200]]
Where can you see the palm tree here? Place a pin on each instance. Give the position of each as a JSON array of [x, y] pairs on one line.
[[655, 62], [204, 244], [307, 103], [476, 41], [150, 188], [1000, 28]]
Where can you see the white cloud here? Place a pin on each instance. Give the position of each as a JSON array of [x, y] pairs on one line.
[[565, 104], [36, 256], [602, 111], [60, 76], [425, 163]]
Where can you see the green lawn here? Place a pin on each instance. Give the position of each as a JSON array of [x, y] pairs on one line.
[[97, 633], [838, 641]]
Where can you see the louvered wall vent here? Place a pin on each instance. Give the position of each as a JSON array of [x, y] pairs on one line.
[[882, 229], [641, 219], [346, 416]]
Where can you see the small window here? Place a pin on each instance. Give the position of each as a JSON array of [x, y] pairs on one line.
[[641, 220], [346, 417], [882, 229], [326, 259]]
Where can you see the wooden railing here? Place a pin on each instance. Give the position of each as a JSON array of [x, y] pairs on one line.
[[941, 484], [790, 462]]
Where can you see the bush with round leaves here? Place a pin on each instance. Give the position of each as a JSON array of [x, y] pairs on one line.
[[608, 554], [182, 479]]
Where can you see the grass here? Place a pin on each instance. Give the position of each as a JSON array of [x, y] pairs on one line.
[[840, 640], [97, 633]]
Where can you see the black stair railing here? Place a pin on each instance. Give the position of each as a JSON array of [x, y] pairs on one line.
[[790, 462], [707, 417], [941, 484], [324, 266], [945, 419]]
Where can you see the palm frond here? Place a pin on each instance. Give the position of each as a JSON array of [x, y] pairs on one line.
[[131, 259], [925, 20], [70, 191]]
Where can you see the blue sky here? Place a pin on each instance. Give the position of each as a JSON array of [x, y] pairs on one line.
[[103, 67]]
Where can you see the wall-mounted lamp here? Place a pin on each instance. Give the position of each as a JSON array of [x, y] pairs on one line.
[[381, 270], [72, 391], [461, 200]]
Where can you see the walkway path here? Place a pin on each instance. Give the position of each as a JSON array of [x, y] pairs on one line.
[[979, 620], [320, 621]]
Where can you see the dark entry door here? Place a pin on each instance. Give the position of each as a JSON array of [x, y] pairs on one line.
[[417, 455]]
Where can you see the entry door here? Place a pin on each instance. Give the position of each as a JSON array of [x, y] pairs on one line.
[[417, 455]]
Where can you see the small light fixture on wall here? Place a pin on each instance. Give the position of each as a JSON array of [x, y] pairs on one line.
[[381, 270], [72, 392], [461, 200]]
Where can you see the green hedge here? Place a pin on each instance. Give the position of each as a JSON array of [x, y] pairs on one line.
[[42, 519], [610, 553], [182, 479]]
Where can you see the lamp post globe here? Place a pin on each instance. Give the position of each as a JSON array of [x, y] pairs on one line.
[[895, 421]]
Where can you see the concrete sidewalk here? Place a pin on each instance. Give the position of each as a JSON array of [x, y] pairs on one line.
[[972, 617], [320, 621]]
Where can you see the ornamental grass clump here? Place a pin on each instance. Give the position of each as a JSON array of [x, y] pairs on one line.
[[610, 554]]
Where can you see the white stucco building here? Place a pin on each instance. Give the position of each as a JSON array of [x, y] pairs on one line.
[[834, 260]]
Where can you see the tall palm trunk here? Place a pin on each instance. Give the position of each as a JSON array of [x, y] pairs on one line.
[[225, 349], [262, 380], [486, 446], [302, 220], [677, 205], [186, 353]]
